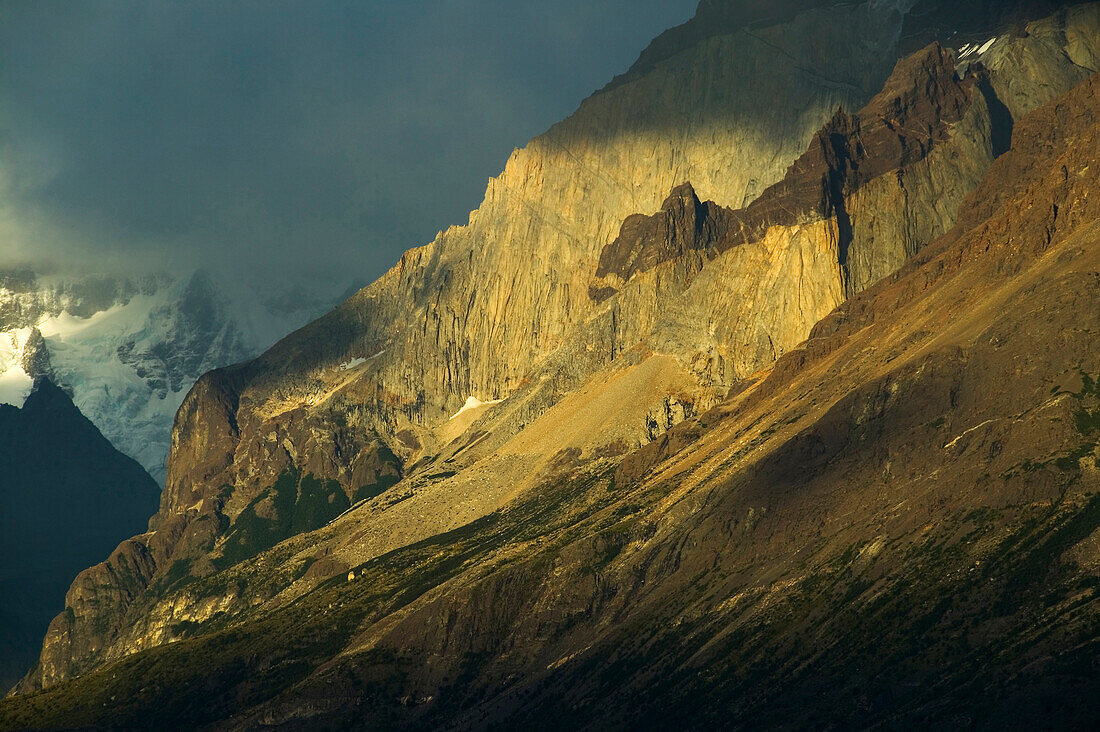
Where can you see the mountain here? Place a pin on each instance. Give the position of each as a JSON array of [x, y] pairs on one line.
[[127, 348], [761, 392], [66, 499]]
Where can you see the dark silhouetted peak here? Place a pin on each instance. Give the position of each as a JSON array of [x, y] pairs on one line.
[[67, 496], [49, 399]]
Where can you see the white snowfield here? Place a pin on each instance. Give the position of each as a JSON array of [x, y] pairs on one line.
[[357, 362], [474, 403], [15, 386], [15, 383], [354, 363], [84, 354], [130, 366]]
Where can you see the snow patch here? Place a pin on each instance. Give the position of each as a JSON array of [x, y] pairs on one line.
[[15, 386], [15, 382], [972, 50], [474, 403], [355, 362], [967, 432]]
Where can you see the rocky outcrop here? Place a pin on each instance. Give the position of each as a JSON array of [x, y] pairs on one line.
[[918, 108], [684, 224], [729, 291], [108, 588]]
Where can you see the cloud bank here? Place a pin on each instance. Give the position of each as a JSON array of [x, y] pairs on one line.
[[289, 138]]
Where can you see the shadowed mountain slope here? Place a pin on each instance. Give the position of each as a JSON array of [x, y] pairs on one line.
[[66, 498], [925, 21]]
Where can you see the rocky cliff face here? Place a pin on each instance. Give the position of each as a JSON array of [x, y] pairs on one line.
[[893, 526], [600, 327]]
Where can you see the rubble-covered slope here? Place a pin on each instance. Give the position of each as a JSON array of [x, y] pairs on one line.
[[894, 526]]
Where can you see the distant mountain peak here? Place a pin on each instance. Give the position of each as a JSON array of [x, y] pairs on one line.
[[128, 347]]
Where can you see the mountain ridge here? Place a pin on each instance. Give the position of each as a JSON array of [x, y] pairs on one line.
[[246, 426], [658, 368], [756, 642]]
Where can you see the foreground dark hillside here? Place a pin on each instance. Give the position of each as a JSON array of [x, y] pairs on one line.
[[897, 525]]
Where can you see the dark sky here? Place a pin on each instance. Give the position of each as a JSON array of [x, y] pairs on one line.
[[298, 137]]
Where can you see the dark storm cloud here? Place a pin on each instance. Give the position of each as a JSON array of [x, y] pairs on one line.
[[288, 135]]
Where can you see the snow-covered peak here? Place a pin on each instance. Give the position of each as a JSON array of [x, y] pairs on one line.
[[129, 349]]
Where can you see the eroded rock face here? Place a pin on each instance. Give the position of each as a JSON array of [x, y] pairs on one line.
[[473, 312], [881, 491], [923, 102], [729, 291], [895, 524], [684, 224], [705, 296]]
